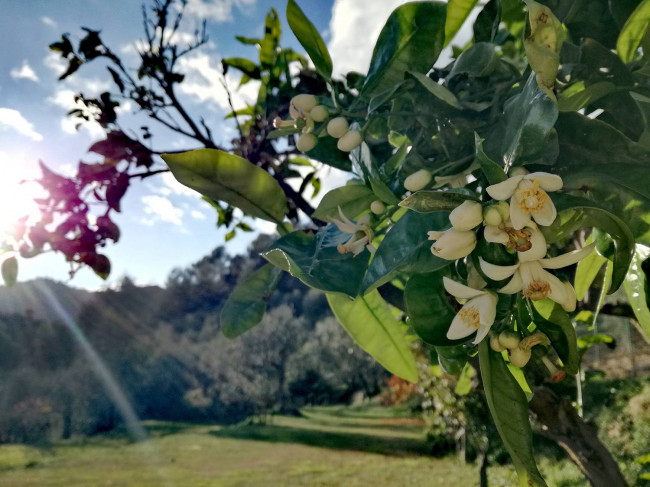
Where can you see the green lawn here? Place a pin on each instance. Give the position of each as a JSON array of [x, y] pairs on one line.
[[327, 447]]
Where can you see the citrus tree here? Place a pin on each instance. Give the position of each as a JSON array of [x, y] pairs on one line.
[[486, 198]]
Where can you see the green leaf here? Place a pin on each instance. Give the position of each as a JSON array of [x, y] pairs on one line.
[[428, 201], [509, 408], [353, 199], [493, 171], [519, 376], [327, 152], [464, 384], [457, 12], [226, 177], [552, 320], [479, 60], [530, 116], [246, 305], [578, 95], [636, 288], [363, 156], [633, 31], [406, 248], [437, 89], [272, 33], [486, 25], [451, 359], [586, 271], [246, 66], [597, 216], [309, 38], [315, 260], [428, 309], [370, 322], [411, 40], [10, 271]]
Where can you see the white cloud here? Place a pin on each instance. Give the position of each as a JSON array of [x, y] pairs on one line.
[[24, 72], [55, 63], [48, 21], [203, 82], [173, 186], [161, 209], [13, 119], [215, 10], [197, 215]]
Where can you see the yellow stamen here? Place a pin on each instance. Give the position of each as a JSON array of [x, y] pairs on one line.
[[532, 198], [537, 290], [518, 240], [470, 316]]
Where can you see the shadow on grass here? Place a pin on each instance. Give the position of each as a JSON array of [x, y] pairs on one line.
[[327, 439]]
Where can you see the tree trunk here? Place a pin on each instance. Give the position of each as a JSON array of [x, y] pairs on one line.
[[560, 422]]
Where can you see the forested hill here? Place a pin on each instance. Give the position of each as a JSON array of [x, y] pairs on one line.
[[27, 298]]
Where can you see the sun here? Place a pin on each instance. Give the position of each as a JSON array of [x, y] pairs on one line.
[[17, 193]]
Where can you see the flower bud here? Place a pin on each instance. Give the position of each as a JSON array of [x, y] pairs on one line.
[[294, 112], [350, 141], [492, 216], [509, 340], [504, 210], [319, 113], [304, 102], [337, 127], [495, 344], [309, 126], [417, 180], [306, 142], [467, 215], [519, 357], [365, 219], [453, 244], [377, 207]]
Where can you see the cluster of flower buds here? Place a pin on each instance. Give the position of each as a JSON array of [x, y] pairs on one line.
[[519, 205], [305, 111]]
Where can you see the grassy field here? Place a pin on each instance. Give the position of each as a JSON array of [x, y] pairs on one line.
[[326, 447]]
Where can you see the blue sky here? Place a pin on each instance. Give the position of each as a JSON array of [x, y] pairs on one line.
[[163, 225]]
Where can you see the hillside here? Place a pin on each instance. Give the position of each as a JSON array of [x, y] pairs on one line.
[[28, 298]]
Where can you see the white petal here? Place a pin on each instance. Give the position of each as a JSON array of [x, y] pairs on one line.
[[514, 285], [494, 234], [497, 272], [547, 181], [559, 292], [537, 250], [568, 258], [505, 189], [459, 329], [570, 304], [481, 334], [343, 226], [487, 308], [458, 290], [466, 216], [435, 235], [545, 216], [518, 217]]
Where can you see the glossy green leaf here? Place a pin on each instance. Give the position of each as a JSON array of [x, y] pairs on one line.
[[597, 216], [633, 31], [457, 13], [578, 95], [353, 199], [246, 66], [411, 40], [314, 259], [636, 288], [428, 201], [509, 409], [487, 23], [479, 60], [370, 322], [437, 89], [552, 320], [246, 305], [530, 116], [428, 309], [586, 271], [272, 32], [309, 38], [365, 158], [493, 171], [232, 179], [10, 271], [519, 376], [328, 153], [406, 248], [464, 384], [452, 359]]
